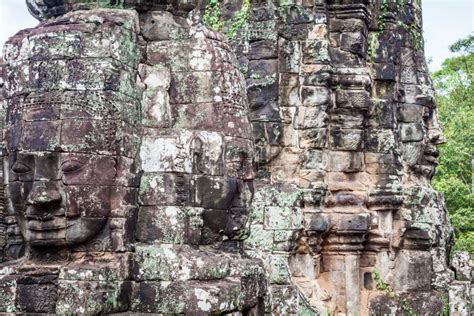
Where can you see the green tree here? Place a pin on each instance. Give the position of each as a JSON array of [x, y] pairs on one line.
[[455, 98]]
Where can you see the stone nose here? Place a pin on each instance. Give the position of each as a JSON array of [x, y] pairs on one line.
[[436, 137], [43, 193]]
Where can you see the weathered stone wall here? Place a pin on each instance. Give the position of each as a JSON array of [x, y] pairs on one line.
[[196, 187], [152, 165], [346, 129]]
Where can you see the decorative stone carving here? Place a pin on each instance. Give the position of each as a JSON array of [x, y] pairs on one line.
[[346, 139], [129, 158], [153, 166]]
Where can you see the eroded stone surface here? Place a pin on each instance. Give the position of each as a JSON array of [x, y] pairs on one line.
[[154, 166]]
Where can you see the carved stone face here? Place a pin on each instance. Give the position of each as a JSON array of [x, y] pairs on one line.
[[70, 131], [420, 133], [58, 198]]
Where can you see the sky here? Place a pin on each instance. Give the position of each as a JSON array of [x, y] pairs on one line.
[[445, 21]]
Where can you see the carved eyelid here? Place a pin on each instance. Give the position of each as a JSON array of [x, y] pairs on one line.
[[20, 167], [71, 165]]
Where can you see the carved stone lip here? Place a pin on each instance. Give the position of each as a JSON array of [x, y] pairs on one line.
[[57, 223], [432, 159]]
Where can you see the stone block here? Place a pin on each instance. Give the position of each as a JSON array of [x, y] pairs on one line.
[[192, 297], [267, 132], [8, 293], [215, 192], [283, 218], [172, 189], [460, 261], [428, 303], [359, 100], [409, 113], [356, 223], [411, 132], [345, 161], [312, 159], [315, 51], [302, 265], [347, 118], [354, 42], [284, 241], [317, 222], [178, 263], [339, 181], [313, 138], [460, 298], [260, 69], [167, 153], [262, 50], [265, 112], [169, 224], [260, 92], [381, 114], [314, 96], [289, 56], [93, 297], [385, 71], [260, 239], [345, 139], [412, 152], [377, 163], [311, 117], [155, 101], [289, 89], [332, 263], [380, 140], [412, 271], [284, 299], [279, 270], [317, 78], [162, 25]]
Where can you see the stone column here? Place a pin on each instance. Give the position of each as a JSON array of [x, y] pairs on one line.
[[342, 249]]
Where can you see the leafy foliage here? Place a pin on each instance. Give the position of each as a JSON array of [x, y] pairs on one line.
[[212, 15], [212, 18], [455, 97]]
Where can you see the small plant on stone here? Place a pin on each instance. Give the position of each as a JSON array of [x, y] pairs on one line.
[[407, 309], [382, 285], [239, 20], [445, 311], [212, 18], [212, 15]]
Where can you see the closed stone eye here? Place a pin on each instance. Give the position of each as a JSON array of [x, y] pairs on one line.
[[20, 168], [72, 165]]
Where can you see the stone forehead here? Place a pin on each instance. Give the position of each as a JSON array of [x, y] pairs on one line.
[[43, 9]]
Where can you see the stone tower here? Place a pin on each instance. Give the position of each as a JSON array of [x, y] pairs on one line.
[[222, 157]]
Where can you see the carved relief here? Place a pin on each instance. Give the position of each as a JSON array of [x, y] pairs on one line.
[[153, 166]]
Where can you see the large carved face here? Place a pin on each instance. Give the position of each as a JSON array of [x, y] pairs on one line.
[[420, 133], [71, 117], [60, 177]]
